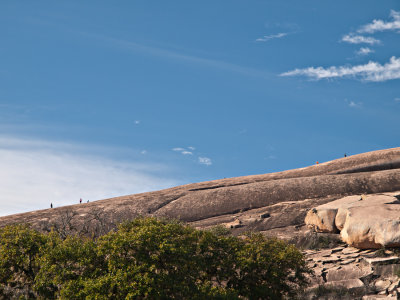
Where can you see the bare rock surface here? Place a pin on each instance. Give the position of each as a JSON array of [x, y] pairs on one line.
[[376, 297], [275, 204], [364, 221], [361, 278], [348, 272], [349, 284]]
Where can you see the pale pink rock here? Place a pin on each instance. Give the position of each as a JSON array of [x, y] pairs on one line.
[[364, 221]]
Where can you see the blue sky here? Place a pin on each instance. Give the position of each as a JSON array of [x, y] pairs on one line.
[[101, 98]]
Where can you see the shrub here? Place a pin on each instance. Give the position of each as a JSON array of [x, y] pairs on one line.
[[19, 252], [151, 259]]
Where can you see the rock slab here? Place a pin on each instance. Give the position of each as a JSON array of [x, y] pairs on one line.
[[364, 221]]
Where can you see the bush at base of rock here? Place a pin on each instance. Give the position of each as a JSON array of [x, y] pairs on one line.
[[148, 259]]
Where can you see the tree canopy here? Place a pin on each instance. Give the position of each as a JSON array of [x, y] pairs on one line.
[[148, 258]]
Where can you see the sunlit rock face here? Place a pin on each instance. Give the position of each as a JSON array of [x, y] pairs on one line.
[[275, 204], [366, 221]]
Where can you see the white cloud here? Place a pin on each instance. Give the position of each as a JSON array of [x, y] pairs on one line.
[[266, 38], [137, 122], [202, 160], [380, 25], [354, 104], [205, 161], [364, 51], [35, 173], [359, 39], [372, 71], [397, 99], [183, 150], [143, 152], [187, 153]]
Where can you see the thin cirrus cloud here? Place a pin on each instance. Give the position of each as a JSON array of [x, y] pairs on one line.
[[380, 25], [201, 160], [35, 173], [364, 51], [187, 152], [174, 55], [359, 39], [205, 161], [354, 104], [183, 150], [372, 71], [266, 38]]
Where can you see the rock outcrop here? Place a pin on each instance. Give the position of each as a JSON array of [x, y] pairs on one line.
[[355, 196], [274, 204], [369, 272], [366, 221]]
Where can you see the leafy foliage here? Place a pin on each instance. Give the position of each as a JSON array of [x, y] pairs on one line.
[[19, 250], [148, 259]]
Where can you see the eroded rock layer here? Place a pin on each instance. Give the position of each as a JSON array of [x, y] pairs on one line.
[[275, 204]]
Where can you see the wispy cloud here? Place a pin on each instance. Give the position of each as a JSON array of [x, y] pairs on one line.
[[354, 104], [364, 51], [397, 99], [266, 38], [183, 150], [372, 71], [205, 161], [173, 54], [293, 27], [380, 25], [187, 153], [359, 39], [200, 159], [35, 173]]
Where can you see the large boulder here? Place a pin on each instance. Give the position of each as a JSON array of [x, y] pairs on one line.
[[366, 221], [323, 217]]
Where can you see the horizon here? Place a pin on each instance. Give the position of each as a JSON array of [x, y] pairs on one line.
[[101, 99]]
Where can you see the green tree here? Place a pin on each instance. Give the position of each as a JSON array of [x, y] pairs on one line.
[[148, 258], [269, 269], [19, 251], [66, 266], [154, 259]]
